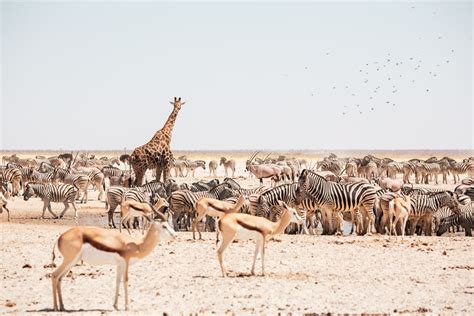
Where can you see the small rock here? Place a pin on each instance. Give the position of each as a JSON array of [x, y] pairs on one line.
[[27, 266], [10, 303], [445, 253]]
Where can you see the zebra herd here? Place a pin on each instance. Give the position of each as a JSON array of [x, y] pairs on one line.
[[326, 193]]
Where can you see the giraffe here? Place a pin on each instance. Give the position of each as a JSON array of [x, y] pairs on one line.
[[156, 153]]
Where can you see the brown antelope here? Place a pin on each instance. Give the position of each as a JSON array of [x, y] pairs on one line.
[[98, 246], [245, 226], [213, 207], [399, 208], [263, 171]]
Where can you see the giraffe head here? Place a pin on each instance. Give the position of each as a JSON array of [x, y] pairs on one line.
[[177, 103]]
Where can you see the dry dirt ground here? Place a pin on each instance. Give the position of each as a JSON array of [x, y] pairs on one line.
[[337, 274]]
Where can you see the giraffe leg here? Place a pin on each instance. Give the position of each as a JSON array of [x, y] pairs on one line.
[[159, 170], [166, 168]]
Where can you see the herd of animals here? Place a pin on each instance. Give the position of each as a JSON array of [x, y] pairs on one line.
[[296, 197], [375, 195]]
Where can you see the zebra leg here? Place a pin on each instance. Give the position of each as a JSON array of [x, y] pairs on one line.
[[101, 190], [75, 209], [66, 207], [47, 203], [339, 222]]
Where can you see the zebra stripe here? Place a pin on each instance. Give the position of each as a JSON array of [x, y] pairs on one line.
[[425, 205], [65, 193], [465, 219], [183, 202], [12, 175], [337, 197]]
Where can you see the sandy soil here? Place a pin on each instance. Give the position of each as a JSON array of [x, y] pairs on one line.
[[305, 274]]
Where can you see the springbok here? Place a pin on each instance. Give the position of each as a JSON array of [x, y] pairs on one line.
[[131, 209], [213, 207], [98, 246], [245, 226]]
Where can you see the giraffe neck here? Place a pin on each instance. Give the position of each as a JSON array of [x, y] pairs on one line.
[[167, 129]]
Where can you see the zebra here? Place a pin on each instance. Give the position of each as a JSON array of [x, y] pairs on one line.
[[465, 218], [426, 170], [329, 165], [263, 205], [96, 178], [31, 175], [393, 168], [205, 186], [178, 165], [48, 193], [409, 168], [368, 171], [228, 164], [111, 171], [423, 206], [249, 192], [336, 197], [46, 167], [12, 175], [267, 201], [468, 181], [465, 189], [114, 197], [153, 187], [458, 168], [446, 211], [191, 166], [183, 202], [81, 182]]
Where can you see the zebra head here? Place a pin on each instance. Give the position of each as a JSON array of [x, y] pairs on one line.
[[448, 199], [302, 188], [29, 192]]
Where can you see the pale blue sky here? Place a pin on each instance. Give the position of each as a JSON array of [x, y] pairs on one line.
[[82, 75]]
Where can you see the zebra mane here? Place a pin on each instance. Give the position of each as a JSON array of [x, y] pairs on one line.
[[314, 174]]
